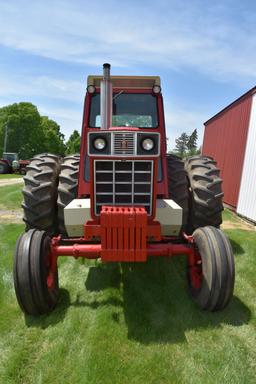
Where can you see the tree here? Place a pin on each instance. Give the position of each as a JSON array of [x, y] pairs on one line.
[[53, 138], [28, 132], [24, 134], [181, 144], [73, 143], [186, 145], [192, 143]]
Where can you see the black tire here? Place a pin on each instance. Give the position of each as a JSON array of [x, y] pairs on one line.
[[40, 193], [30, 270], [205, 193], [178, 185], [217, 269], [4, 168], [67, 189], [23, 171]]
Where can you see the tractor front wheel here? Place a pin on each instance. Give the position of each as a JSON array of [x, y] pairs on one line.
[[35, 273], [211, 271], [4, 168]]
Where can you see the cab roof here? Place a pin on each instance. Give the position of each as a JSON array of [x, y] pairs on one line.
[[126, 81]]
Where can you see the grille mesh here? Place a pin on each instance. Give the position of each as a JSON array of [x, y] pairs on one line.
[[124, 143], [123, 183]]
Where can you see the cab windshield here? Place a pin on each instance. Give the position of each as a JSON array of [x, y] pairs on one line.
[[10, 156], [129, 110]]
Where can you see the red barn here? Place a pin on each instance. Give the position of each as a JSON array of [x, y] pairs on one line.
[[230, 137]]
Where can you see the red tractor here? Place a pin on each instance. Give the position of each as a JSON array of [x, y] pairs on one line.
[[10, 163], [123, 199]]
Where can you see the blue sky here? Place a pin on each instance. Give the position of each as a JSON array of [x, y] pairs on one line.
[[205, 53]]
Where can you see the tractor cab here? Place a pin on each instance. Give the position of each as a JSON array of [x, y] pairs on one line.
[[10, 157], [134, 101], [124, 124]]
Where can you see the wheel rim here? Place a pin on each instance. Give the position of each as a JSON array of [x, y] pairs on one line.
[[195, 270], [50, 269]]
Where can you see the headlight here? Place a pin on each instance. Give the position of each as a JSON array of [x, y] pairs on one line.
[[156, 89], [90, 89], [148, 144], [15, 164], [99, 144]]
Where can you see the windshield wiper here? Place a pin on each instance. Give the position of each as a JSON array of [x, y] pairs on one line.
[[118, 94]]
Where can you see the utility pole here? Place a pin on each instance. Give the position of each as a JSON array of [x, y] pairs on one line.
[[5, 137]]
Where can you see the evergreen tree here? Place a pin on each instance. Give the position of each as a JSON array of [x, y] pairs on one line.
[[192, 143], [181, 144]]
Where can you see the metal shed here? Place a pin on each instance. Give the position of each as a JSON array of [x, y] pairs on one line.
[[230, 137]]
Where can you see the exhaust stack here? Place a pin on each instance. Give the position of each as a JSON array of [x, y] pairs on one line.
[[106, 98]]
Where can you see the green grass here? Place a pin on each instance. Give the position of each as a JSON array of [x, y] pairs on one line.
[[10, 176], [10, 196], [129, 325], [230, 216]]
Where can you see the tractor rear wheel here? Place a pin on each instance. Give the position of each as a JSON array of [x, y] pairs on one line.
[[178, 184], [40, 193], [36, 289], [67, 189], [4, 168], [205, 192], [212, 274]]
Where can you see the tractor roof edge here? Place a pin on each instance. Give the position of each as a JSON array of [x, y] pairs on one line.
[[126, 81]]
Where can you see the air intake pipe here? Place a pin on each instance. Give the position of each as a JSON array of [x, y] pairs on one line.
[[106, 98]]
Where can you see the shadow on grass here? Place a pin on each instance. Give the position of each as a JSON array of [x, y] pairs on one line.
[[155, 302], [103, 276], [156, 305], [237, 249], [54, 317]]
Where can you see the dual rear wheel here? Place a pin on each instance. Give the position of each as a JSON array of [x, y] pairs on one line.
[[195, 185], [49, 186]]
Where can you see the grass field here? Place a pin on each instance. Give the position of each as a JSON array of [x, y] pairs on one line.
[[10, 176], [10, 196], [121, 325]]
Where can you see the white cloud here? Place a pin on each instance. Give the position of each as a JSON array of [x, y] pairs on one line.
[[68, 118], [184, 120], [164, 35], [42, 86], [169, 34], [29, 88]]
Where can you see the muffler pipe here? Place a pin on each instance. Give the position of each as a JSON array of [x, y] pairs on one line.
[[106, 98]]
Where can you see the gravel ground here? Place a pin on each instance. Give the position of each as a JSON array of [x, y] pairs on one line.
[[5, 182], [11, 216]]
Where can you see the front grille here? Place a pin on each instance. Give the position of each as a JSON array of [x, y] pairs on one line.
[[123, 183], [124, 143]]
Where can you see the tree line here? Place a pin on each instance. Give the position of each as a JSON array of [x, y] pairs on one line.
[[29, 133], [186, 145]]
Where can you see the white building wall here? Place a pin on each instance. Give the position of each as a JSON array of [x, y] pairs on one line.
[[247, 195]]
